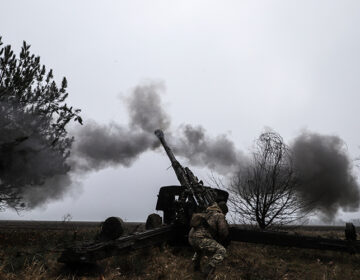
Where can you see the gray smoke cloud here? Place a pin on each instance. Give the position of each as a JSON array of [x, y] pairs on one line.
[[101, 145], [325, 173], [146, 110], [98, 146], [53, 188], [216, 153]]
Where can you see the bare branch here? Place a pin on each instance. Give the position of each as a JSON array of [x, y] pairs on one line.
[[265, 192]]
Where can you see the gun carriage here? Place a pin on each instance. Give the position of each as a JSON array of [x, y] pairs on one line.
[[178, 203]]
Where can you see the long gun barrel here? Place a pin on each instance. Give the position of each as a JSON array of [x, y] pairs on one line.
[[199, 194], [179, 170]]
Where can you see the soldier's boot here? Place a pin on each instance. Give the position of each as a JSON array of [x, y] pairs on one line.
[[209, 272]]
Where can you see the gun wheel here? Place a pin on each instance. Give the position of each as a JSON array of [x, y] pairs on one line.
[[153, 221], [112, 228]]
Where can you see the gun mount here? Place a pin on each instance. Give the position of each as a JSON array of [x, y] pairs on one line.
[[168, 202], [178, 203]]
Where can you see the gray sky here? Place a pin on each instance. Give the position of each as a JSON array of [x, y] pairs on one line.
[[233, 67]]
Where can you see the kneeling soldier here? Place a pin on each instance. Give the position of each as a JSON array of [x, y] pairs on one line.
[[208, 230]]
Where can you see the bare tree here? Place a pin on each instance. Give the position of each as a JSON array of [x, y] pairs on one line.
[[265, 191]]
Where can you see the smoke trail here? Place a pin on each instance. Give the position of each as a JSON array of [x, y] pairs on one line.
[[98, 146], [218, 154], [145, 108], [53, 188], [325, 171]]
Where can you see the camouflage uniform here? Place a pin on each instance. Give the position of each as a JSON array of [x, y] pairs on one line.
[[203, 237]]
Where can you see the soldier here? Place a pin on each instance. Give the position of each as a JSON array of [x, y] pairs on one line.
[[208, 230]]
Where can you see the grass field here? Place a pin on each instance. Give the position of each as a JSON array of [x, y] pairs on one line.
[[30, 251]]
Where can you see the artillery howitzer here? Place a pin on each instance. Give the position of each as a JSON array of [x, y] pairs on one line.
[[193, 196], [178, 203]]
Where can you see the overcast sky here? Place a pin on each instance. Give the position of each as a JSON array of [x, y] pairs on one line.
[[234, 67]]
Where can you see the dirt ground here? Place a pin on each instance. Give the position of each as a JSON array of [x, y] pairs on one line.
[[31, 253]]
